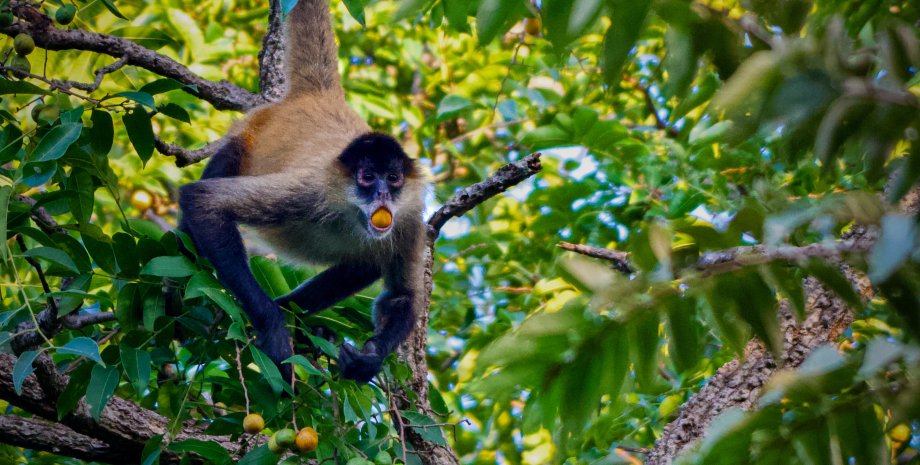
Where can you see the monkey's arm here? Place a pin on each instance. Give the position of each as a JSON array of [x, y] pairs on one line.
[[330, 286], [394, 317], [212, 209]]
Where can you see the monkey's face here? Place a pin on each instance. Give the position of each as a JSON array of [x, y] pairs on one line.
[[379, 168]]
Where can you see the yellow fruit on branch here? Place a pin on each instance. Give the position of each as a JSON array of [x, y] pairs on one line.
[[253, 423], [307, 439]]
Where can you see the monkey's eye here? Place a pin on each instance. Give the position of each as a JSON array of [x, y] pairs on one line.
[[394, 179], [366, 178]]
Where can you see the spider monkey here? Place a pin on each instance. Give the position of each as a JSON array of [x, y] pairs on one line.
[[309, 175]]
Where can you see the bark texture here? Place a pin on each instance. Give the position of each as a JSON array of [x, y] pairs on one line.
[[739, 382]]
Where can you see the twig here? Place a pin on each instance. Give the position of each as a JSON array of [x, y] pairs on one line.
[[52, 306], [184, 156], [619, 259], [41, 216], [651, 108], [469, 197], [100, 73], [223, 95], [239, 369], [59, 86], [738, 257]]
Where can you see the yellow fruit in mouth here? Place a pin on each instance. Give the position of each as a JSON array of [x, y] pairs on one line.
[[382, 218]]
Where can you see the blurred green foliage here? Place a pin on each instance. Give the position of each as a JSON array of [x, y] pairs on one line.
[[669, 128]]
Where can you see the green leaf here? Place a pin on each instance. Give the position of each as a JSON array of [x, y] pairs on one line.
[[451, 106], [879, 354], [5, 192], [136, 364], [110, 5], [20, 87], [80, 183], [56, 256], [145, 36], [494, 16], [425, 427], [154, 307], [83, 347], [627, 21], [22, 369], [225, 302], [268, 274], [175, 112], [302, 362], [207, 450], [160, 86], [894, 247], [269, 371], [140, 97], [140, 132], [102, 134], [567, 20], [643, 335], [684, 330], [356, 10], [56, 142], [152, 450], [102, 384], [75, 390], [410, 8], [546, 137], [259, 456], [170, 267], [327, 347]]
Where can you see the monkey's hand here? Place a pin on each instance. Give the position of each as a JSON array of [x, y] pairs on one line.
[[275, 342], [360, 366]]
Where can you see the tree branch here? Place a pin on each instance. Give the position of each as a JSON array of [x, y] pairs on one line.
[[414, 350], [620, 259], [184, 156], [222, 95], [271, 57], [35, 434], [123, 424], [468, 197]]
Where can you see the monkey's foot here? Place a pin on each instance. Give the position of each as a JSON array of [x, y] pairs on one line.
[[360, 366]]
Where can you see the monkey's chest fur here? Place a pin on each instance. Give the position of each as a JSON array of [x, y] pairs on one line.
[[326, 243]]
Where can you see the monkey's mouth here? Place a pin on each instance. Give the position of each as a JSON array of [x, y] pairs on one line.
[[381, 220]]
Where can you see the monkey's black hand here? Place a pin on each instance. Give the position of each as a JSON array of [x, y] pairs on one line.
[[360, 366], [276, 344]]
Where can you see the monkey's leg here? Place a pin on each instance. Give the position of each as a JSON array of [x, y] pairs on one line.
[[212, 209], [395, 316], [332, 285], [325, 289]]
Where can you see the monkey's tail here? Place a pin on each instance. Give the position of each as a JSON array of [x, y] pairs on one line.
[[312, 55]]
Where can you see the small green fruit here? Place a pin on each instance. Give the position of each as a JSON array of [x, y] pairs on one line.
[[21, 63], [65, 14], [286, 438], [6, 19], [359, 461], [48, 114], [23, 44], [273, 445]]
